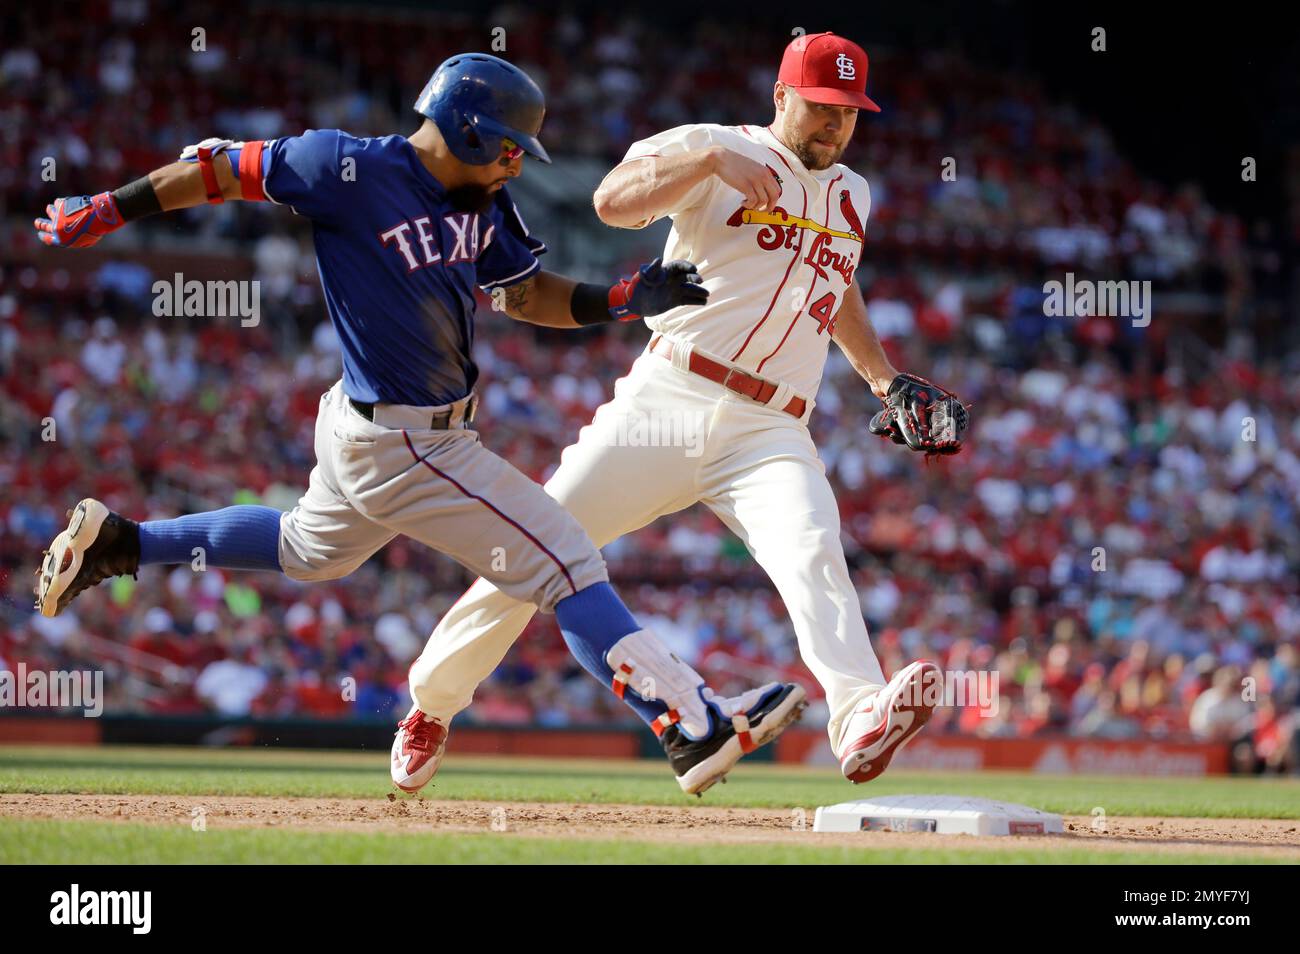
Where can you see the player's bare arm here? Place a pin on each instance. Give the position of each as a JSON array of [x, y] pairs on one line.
[[81, 221], [541, 300], [917, 412], [853, 332], [554, 301], [640, 190], [180, 185]]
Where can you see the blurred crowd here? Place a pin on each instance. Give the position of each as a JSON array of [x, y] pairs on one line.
[[1119, 542], [1025, 177], [1111, 545]]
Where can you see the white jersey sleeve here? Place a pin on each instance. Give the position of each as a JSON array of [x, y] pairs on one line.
[[676, 142]]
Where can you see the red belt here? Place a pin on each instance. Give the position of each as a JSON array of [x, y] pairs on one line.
[[733, 379]]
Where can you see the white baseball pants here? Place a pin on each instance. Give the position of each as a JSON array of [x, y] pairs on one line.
[[667, 440]]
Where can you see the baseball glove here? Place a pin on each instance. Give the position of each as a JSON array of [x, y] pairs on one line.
[[921, 415]]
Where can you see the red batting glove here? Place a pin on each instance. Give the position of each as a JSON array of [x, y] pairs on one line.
[[79, 221]]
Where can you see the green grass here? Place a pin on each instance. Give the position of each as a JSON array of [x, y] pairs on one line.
[[169, 771], [88, 843]]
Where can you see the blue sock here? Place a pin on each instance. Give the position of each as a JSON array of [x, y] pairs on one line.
[[592, 621], [235, 538]]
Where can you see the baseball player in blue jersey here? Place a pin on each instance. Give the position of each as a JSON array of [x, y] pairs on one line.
[[405, 229]]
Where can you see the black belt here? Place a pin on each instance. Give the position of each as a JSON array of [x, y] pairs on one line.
[[439, 422]]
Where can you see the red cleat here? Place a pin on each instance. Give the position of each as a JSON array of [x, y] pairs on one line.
[[417, 751], [886, 721]]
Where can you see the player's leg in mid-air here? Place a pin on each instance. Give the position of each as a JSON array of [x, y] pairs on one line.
[[773, 493], [99, 544], [612, 482], [611, 488], [439, 486], [475, 506], [759, 471]]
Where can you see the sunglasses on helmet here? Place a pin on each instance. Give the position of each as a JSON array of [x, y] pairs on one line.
[[510, 150]]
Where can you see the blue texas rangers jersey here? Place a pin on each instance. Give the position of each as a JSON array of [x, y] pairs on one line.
[[398, 263]]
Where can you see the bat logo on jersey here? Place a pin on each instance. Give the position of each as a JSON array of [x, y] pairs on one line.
[[464, 229], [781, 230], [790, 224]]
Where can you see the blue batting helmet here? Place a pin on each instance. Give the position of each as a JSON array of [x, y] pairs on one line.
[[477, 100]]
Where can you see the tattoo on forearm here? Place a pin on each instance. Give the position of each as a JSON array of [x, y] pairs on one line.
[[519, 296]]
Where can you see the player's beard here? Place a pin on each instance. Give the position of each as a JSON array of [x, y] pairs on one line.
[[803, 148], [816, 161], [470, 198]]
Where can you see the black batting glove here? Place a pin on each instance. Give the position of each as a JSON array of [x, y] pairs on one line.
[[657, 288]]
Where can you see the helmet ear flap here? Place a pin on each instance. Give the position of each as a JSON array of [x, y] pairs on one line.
[[464, 140], [471, 136]]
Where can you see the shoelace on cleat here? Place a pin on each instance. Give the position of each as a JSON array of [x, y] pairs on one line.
[[421, 735]]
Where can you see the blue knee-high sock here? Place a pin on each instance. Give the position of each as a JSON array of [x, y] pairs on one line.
[[235, 538], [592, 621]]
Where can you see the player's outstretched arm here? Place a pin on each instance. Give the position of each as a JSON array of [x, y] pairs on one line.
[[917, 412], [81, 221], [852, 331], [557, 302], [640, 190]]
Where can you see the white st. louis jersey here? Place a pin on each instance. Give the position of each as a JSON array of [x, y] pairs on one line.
[[775, 278]]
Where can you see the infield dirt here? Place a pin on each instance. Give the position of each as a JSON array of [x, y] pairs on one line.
[[1272, 838]]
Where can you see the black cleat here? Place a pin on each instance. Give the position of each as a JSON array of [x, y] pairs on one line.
[[96, 545], [700, 764]]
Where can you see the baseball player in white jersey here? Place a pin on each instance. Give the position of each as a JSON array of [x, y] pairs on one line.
[[775, 224]]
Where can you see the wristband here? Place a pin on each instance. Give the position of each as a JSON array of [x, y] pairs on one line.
[[590, 304], [137, 199]]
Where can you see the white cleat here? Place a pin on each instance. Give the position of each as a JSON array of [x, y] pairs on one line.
[[883, 723], [97, 544], [417, 751]]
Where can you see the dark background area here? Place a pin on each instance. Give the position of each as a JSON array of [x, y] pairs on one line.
[[1187, 91]]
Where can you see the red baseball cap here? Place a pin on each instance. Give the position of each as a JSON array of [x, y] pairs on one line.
[[829, 69]]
